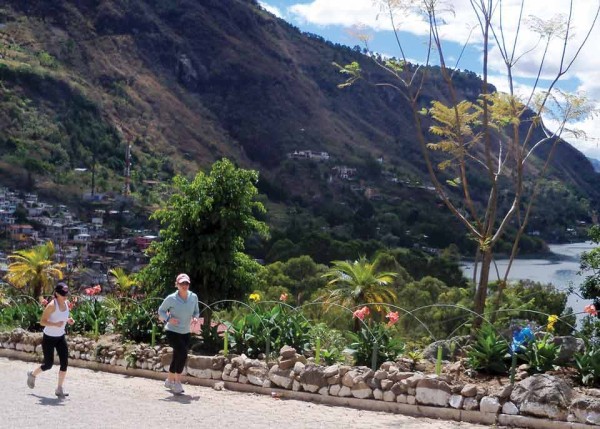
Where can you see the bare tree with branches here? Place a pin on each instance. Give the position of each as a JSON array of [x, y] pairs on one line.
[[500, 132]]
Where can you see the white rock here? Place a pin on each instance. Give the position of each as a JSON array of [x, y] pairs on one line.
[[200, 373], [436, 397], [470, 404], [389, 396], [456, 401], [510, 409], [378, 394], [489, 404], [334, 389], [344, 392]]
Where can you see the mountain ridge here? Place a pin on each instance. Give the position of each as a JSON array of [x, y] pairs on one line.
[[189, 82]]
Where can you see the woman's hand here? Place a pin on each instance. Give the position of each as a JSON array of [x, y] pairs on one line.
[[70, 321]]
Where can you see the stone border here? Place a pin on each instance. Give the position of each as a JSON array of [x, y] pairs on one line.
[[477, 417]]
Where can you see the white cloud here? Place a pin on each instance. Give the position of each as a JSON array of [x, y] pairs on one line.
[[348, 13], [457, 27], [591, 145], [273, 9]]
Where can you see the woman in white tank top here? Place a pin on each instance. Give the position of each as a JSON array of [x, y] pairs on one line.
[[54, 320]]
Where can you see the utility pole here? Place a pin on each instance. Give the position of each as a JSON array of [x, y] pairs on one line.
[[127, 168]]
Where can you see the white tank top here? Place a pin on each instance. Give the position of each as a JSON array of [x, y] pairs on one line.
[[57, 316]]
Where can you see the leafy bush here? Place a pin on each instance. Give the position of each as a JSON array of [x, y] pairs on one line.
[[587, 365], [136, 323], [378, 341], [23, 315], [90, 315], [212, 342], [540, 354], [489, 352], [265, 331], [331, 341]]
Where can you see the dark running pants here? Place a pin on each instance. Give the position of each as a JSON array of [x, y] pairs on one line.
[[180, 344], [60, 344]]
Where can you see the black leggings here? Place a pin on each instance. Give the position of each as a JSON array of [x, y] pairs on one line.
[[60, 344], [180, 344]]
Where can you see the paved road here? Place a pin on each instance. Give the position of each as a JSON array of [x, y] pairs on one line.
[[104, 400]]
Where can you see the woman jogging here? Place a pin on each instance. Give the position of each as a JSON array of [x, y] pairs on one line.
[[54, 319], [178, 311]]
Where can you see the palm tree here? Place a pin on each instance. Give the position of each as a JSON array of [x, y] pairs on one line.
[[123, 281], [353, 283], [34, 269]]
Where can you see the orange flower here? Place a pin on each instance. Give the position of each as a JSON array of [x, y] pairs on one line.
[[283, 297], [590, 309]]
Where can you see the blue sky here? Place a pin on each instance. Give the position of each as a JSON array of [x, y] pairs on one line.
[[336, 20]]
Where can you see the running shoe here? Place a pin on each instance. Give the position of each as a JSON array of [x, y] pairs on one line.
[[60, 392], [177, 388], [30, 380]]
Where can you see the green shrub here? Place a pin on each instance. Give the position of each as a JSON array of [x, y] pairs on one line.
[[489, 352], [21, 315], [266, 331], [212, 342], [378, 341], [587, 365], [136, 322], [332, 343], [540, 354], [90, 316]]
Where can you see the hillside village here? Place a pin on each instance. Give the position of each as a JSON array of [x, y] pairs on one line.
[[88, 248]]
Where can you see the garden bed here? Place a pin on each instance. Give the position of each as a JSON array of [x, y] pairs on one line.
[[533, 401]]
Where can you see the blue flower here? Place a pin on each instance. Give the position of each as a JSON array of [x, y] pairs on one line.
[[520, 337]]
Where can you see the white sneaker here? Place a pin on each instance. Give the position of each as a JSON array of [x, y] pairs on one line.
[[169, 384], [177, 388], [30, 380], [60, 392]]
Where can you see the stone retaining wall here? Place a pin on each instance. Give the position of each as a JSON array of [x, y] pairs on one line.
[[537, 401]]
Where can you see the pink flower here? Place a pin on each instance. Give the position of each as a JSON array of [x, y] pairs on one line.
[[93, 290], [71, 305], [44, 302], [361, 313], [283, 297], [393, 317], [590, 309]]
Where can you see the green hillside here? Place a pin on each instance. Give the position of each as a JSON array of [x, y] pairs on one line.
[[187, 82]]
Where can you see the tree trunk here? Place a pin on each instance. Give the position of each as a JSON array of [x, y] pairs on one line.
[[206, 312], [481, 292]]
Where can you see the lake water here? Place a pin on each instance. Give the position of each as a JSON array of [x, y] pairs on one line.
[[560, 270]]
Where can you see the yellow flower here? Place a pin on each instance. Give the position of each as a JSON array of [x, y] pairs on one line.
[[552, 319], [254, 297]]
